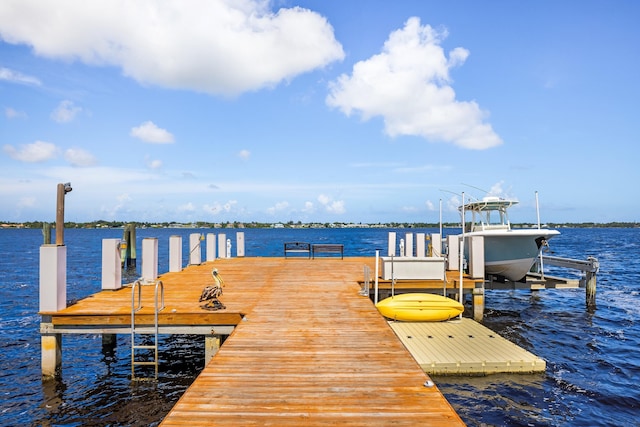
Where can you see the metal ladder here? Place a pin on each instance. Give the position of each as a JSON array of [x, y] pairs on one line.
[[148, 347]]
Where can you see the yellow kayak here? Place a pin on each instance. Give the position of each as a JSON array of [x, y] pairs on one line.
[[419, 307]]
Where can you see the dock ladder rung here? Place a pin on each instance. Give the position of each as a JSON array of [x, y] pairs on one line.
[[137, 285]]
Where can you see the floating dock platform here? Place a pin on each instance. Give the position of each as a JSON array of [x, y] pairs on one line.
[[464, 347]]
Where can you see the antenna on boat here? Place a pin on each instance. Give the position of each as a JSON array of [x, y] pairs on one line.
[[477, 188]]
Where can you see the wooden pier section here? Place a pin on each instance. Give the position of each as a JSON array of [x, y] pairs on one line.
[[306, 348]]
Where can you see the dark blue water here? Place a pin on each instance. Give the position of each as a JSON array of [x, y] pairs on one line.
[[593, 357]]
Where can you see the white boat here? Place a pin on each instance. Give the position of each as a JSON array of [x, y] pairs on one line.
[[508, 252]]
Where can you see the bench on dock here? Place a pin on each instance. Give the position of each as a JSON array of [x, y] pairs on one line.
[[327, 249], [297, 248]]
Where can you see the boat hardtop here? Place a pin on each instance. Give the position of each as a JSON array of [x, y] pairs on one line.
[[490, 213]]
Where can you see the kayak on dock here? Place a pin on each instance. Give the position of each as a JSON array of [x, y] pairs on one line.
[[419, 307]]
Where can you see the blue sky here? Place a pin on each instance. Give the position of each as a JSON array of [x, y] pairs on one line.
[[363, 111]]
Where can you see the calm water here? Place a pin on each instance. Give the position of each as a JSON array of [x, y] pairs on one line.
[[593, 358]]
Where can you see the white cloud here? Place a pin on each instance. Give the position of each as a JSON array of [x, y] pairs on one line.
[[218, 208], [409, 86], [178, 44], [79, 157], [149, 132], [35, 152], [10, 113], [26, 202], [453, 203], [330, 205], [154, 164], [279, 207], [336, 207], [244, 154], [65, 112], [124, 198], [12, 76], [308, 207], [188, 207]]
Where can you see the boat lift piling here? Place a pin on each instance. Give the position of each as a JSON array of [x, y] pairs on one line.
[[590, 269], [128, 247]]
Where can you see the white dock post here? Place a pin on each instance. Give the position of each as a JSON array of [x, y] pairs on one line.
[[408, 247], [111, 264], [211, 247], [392, 244], [222, 245], [420, 245], [149, 259], [175, 254], [228, 248], [453, 252], [53, 277], [240, 243], [436, 244], [476, 257], [195, 250]]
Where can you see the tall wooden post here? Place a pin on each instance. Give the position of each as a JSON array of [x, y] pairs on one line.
[[60, 216], [46, 233], [62, 190]]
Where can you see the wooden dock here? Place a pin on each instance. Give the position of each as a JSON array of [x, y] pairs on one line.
[[306, 349]]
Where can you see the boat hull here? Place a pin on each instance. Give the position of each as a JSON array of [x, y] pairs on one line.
[[512, 253], [419, 307]]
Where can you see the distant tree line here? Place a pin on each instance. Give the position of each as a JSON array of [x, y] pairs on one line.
[[298, 224]]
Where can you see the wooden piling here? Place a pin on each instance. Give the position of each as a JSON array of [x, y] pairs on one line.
[[211, 347], [129, 238], [51, 353], [478, 304], [590, 290], [60, 216], [46, 233]]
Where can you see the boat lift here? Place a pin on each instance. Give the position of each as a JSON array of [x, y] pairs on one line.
[[537, 279]]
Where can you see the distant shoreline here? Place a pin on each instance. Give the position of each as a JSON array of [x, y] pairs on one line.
[[101, 224]]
